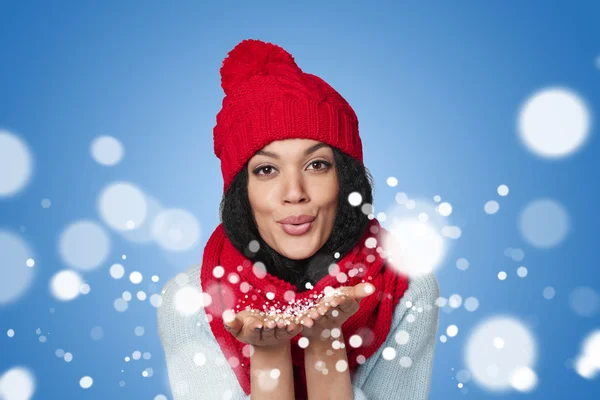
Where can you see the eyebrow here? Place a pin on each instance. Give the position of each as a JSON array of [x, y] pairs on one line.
[[308, 151]]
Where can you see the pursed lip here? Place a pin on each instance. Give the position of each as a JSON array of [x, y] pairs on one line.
[[297, 219]]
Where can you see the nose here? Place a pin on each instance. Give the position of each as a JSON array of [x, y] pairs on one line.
[[294, 189]]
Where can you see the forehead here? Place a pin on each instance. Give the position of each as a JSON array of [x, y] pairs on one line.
[[291, 148]]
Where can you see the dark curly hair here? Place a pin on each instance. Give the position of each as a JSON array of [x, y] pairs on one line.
[[349, 224]]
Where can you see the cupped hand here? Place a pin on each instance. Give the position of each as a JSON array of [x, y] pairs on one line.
[[335, 309], [250, 327]]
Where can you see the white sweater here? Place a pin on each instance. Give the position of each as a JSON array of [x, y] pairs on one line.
[[197, 368]]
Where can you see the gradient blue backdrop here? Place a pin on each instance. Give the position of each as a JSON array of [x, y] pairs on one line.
[[436, 85]]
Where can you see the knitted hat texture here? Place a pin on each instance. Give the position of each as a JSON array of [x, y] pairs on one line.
[[267, 98]]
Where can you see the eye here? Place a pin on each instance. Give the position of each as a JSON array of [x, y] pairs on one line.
[[259, 169], [324, 164]]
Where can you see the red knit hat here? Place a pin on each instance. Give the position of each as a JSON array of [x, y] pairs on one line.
[[268, 98]]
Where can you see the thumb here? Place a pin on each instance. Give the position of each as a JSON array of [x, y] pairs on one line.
[[234, 326], [363, 290]]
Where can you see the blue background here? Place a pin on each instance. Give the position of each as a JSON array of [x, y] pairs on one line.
[[437, 87]]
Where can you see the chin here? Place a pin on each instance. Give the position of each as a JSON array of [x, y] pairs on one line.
[[298, 251], [298, 247], [298, 254]]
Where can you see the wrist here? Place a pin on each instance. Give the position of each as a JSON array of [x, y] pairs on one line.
[[264, 361], [322, 345], [273, 350], [269, 357]]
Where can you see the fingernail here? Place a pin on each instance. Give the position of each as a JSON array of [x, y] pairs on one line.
[[257, 329]]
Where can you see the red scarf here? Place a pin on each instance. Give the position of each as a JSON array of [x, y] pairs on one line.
[[237, 278]]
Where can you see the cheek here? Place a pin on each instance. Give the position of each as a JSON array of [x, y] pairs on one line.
[[261, 200], [328, 194]]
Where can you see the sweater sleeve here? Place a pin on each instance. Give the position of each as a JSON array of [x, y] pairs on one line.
[[411, 340], [196, 367]]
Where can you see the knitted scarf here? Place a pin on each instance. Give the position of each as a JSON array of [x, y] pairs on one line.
[[233, 283]]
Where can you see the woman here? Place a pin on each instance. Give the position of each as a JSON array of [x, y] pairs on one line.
[[294, 298]]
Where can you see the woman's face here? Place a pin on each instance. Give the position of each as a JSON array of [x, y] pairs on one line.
[[293, 177]]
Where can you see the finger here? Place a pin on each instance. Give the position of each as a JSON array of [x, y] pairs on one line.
[[249, 319], [348, 305], [293, 329], [268, 330], [281, 323], [314, 314], [335, 302], [255, 328], [280, 331], [324, 313], [307, 321], [322, 309], [362, 290], [234, 327]]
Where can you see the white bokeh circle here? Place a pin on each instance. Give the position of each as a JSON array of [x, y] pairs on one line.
[[86, 382], [544, 223], [414, 247], [355, 199], [16, 164], [17, 383], [65, 284], [122, 206], [584, 301], [554, 122], [15, 275], [117, 271], [591, 347], [84, 245], [143, 233], [176, 230], [491, 207], [491, 366], [588, 361], [524, 379], [188, 300], [107, 150]]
